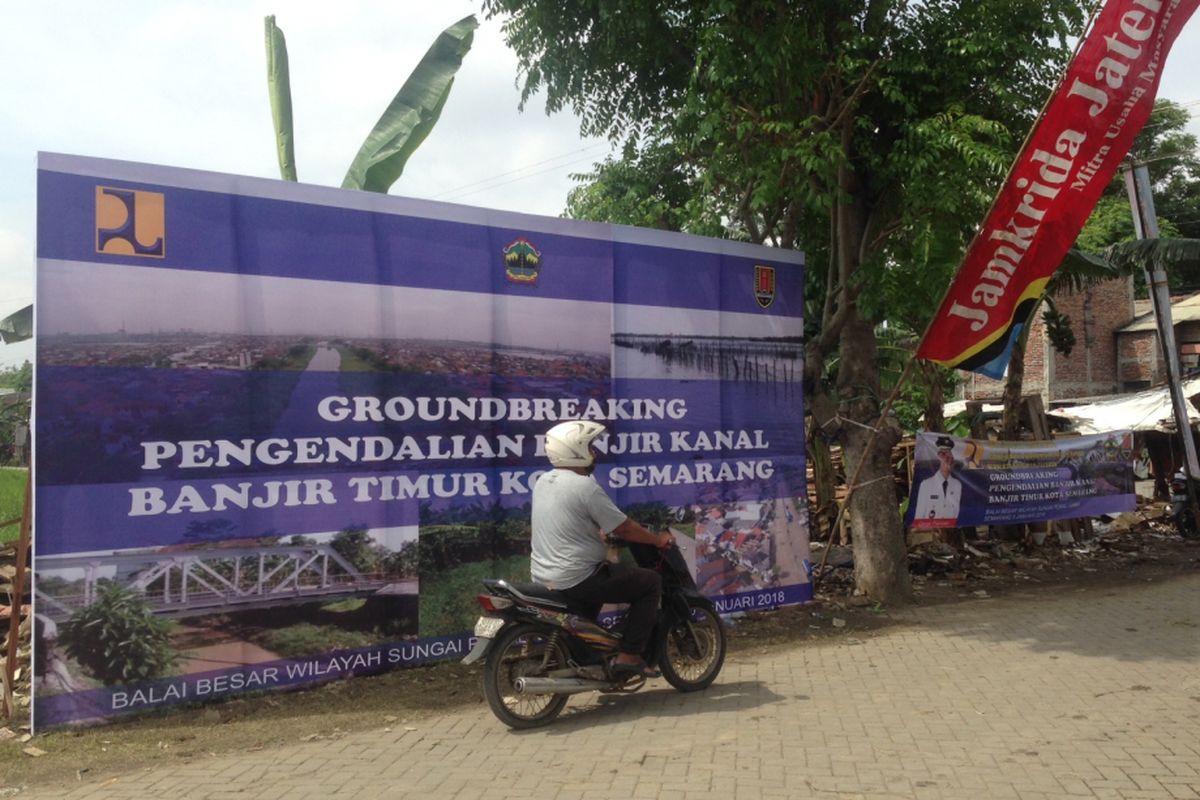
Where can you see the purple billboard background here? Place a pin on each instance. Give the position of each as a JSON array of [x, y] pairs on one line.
[[295, 390]]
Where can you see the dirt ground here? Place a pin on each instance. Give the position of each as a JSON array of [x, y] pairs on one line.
[[941, 574]]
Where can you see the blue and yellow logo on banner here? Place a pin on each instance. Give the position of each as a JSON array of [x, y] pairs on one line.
[[130, 222]]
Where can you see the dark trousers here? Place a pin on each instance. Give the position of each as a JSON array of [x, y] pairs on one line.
[[624, 583]]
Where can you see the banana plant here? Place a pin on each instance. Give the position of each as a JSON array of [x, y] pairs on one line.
[[405, 123]]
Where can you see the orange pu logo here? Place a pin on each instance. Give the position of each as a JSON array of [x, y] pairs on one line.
[[130, 222]]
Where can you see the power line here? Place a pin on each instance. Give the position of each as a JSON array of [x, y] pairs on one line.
[[489, 182], [523, 172], [520, 178]]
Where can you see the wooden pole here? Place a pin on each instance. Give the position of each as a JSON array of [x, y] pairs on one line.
[[1145, 223]]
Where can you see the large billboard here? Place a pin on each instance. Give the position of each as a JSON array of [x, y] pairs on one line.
[[282, 431]]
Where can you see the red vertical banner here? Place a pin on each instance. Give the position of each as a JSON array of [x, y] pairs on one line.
[[1088, 126]]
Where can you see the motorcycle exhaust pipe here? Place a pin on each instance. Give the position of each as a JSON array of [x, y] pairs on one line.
[[558, 685]]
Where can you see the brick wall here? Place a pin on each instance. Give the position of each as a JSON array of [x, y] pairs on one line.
[[1095, 314], [1093, 368], [1140, 361]]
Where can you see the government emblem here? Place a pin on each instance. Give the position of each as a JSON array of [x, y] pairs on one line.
[[522, 261], [130, 222], [764, 285]]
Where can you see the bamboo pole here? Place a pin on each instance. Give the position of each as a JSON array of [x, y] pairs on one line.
[[14, 619]]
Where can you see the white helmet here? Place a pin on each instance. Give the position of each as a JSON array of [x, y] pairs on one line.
[[568, 444]]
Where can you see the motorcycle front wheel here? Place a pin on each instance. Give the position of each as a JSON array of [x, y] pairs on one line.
[[523, 651], [693, 651]]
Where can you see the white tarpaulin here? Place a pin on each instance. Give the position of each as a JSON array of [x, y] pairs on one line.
[[1144, 411]]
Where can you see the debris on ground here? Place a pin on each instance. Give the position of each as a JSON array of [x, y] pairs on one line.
[[1119, 541], [9, 604]]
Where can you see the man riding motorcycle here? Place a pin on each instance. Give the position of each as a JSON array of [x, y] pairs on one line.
[[571, 514]]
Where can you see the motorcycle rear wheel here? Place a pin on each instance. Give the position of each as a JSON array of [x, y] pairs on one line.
[[693, 655], [523, 651]]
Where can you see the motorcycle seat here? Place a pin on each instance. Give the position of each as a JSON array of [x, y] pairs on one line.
[[552, 598]]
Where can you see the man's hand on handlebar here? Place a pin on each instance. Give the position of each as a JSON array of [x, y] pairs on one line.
[[631, 531]]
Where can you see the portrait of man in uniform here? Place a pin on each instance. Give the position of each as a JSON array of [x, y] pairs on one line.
[[938, 496]]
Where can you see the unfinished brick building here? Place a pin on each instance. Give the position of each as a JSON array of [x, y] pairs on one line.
[[1116, 347]]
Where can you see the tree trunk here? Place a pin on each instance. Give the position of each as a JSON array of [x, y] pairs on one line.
[[1010, 422], [880, 552], [824, 480], [935, 397]]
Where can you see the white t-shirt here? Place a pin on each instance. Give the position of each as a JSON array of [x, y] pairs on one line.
[[570, 511], [938, 498]]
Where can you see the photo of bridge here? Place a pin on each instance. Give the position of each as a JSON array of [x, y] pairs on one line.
[[214, 580], [228, 603]]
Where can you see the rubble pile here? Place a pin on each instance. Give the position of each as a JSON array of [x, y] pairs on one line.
[[1122, 541]]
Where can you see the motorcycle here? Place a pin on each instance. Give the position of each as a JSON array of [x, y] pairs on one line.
[[540, 647], [1181, 511]]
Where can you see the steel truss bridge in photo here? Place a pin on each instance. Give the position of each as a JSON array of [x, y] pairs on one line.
[[194, 582]]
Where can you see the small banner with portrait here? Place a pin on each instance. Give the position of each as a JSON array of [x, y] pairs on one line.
[[968, 482]]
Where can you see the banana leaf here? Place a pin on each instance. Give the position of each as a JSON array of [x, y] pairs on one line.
[[412, 113], [1148, 254], [18, 326], [1079, 270], [279, 87]]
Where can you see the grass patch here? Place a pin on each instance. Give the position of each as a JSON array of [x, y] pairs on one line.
[[352, 363], [12, 501], [306, 639], [448, 598]]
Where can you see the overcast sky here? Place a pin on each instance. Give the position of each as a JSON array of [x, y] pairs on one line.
[[183, 83]]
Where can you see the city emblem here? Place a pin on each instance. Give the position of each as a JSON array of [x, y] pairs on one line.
[[522, 261], [764, 285]]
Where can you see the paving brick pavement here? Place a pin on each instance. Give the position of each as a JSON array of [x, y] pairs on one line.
[[1088, 693]]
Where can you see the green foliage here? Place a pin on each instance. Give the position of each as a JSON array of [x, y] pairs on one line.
[[779, 119], [913, 401], [117, 638], [652, 187], [405, 123], [19, 379], [443, 547], [14, 413], [872, 134], [448, 598], [1170, 154], [1180, 258], [279, 87], [356, 546], [1058, 328], [1169, 151], [12, 501], [413, 112], [403, 562], [307, 639]]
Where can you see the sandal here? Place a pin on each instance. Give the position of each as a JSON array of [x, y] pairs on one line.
[[639, 669]]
